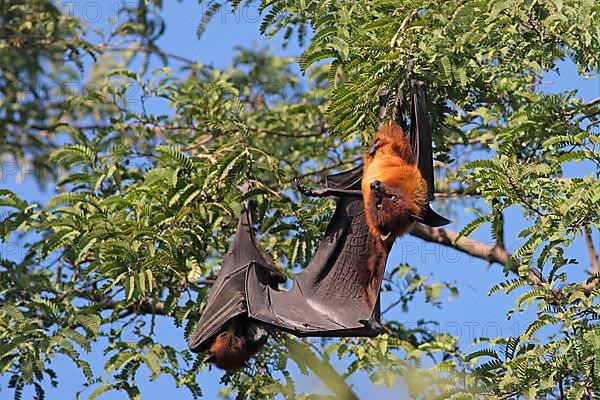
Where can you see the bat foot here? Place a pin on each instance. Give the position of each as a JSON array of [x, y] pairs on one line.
[[210, 359], [306, 191], [374, 147]]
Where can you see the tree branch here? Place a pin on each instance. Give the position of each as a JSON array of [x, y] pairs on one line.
[[286, 134], [148, 50], [589, 287], [492, 254], [330, 167], [583, 106], [405, 22], [461, 191], [469, 141]]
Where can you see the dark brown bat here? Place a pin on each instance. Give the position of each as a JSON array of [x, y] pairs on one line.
[[338, 292], [224, 330]]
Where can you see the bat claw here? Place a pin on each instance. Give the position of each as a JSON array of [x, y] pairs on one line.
[[210, 359], [306, 191], [374, 147], [384, 237], [373, 326]]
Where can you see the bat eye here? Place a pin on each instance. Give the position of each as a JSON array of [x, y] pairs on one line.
[[379, 206], [394, 198]]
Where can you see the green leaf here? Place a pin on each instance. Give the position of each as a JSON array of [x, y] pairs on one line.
[[99, 390]]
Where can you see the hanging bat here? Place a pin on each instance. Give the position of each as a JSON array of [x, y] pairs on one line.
[[398, 174], [393, 189], [224, 330], [337, 294]]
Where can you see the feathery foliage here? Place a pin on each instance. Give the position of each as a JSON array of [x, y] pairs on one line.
[[145, 203]]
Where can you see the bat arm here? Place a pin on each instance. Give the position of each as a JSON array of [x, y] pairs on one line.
[[375, 328], [325, 191]]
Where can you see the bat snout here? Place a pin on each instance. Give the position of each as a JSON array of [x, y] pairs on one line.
[[376, 185]]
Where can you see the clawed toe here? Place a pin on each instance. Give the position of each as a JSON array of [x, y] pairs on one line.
[[301, 188], [374, 147]]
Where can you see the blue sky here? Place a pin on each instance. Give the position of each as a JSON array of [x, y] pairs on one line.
[[472, 314]]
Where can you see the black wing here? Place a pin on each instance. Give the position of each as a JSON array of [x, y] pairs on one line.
[[420, 140], [227, 297], [338, 292]]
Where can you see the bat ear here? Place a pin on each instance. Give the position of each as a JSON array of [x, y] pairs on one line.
[[432, 218]]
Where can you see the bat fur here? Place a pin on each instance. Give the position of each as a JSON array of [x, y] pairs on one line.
[[394, 192], [234, 346]]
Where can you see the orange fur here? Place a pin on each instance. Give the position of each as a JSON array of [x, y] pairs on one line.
[[392, 163], [231, 348]]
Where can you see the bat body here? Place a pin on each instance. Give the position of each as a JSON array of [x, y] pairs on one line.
[[337, 293], [394, 192]]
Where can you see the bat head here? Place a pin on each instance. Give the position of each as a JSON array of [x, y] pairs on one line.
[[392, 211], [233, 347]]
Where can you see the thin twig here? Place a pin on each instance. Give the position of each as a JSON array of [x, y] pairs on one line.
[[473, 140], [287, 134], [138, 48], [462, 191], [586, 105], [403, 26]]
